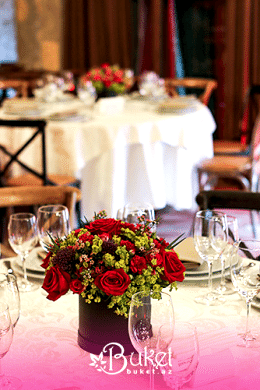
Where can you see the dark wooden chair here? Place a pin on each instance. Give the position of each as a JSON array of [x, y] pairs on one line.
[[250, 109], [204, 86], [228, 200]]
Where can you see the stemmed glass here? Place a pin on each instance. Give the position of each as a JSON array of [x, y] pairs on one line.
[[9, 293], [232, 237], [245, 276], [210, 239], [151, 325], [185, 359], [53, 222], [6, 337], [135, 212], [22, 236], [87, 93]]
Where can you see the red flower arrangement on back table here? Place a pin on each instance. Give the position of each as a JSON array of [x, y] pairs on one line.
[[109, 78], [111, 259]]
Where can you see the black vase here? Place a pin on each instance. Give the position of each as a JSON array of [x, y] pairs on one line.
[[99, 326], [104, 94]]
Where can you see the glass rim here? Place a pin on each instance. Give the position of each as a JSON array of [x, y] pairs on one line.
[[22, 216], [60, 207], [139, 293], [215, 213]]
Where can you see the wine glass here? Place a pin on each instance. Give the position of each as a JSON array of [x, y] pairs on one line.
[[209, 237], [185, 359], [151, 325], [6, 337], [22, 236], [87, 93], [245, 276], [139, 213], [53, 222], [9, 293], [232, 237]]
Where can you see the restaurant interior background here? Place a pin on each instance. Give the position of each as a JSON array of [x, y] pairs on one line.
[[217, 39]]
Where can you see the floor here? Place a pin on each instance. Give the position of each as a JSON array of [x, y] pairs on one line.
[[173, 223]]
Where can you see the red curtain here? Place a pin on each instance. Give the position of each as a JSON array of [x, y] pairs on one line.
[[157, 37]]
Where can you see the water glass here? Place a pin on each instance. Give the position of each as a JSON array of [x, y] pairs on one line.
[[185, 352]]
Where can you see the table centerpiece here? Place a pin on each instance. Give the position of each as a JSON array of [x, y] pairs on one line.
[[105, 262], [109, 80]]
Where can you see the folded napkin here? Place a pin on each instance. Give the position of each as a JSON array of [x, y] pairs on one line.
[[188, 254]]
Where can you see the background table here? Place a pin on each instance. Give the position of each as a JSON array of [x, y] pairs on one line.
[[45, 355], [139, 155]]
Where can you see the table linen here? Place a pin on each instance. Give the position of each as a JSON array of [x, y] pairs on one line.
[[45, 355], [138, 155]]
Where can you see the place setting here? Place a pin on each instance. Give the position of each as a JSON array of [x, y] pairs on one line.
[[25, 230]]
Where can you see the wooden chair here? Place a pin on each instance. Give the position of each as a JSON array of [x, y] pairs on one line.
[[21, 86], [207, 86], [250, 109], [34, 197], [236, 200], [33, 177], [239, 169]]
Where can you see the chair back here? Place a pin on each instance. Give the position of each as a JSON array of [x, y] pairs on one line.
[[41, 195], [39, 129], [21, 86], [237, 199], [204, 86], [249, 115]]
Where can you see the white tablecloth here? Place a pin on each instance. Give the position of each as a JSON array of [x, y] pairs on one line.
[[139, 155], [45, 355]]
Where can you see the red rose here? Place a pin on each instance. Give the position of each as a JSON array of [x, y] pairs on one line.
[[113, 282], [127, 225], [76, 286], [159, 259], [137, 265], [77, 231], [106, 225], [129, 245], [86, 237], [56, 283], [46, 260], [173, 267]]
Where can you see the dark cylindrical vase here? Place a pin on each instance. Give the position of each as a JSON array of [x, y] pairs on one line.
[[99, 326]]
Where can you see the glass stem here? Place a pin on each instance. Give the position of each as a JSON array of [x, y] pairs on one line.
[[223, 266], [210, 277], [24, 267], [248, 307]]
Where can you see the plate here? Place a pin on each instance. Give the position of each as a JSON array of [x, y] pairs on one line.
[[182, 104], [33, 263], [34, 275]]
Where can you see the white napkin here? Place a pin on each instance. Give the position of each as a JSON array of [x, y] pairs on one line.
[[188, 254]]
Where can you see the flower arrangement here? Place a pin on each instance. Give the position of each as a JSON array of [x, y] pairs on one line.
[[109, 79], [108, 259]]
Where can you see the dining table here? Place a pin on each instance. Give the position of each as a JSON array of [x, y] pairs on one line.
[[45, 354], [140, 153]]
